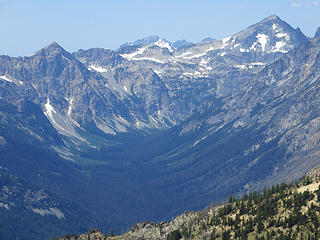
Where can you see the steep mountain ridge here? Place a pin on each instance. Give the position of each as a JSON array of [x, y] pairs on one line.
[[284, 211], [269, 36], [271, 118], [180, 75]]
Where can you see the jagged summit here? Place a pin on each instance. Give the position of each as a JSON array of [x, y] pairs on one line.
[[270, 35], [147, 40], [53, 49], [153, 40], [143, 41], [54, 46], [269, 22]]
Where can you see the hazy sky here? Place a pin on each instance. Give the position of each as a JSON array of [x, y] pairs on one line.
[[28, 25]]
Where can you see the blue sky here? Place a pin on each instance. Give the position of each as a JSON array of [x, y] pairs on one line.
[[28, 25]]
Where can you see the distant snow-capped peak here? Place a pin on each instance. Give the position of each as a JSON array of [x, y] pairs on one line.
[[162, 43]]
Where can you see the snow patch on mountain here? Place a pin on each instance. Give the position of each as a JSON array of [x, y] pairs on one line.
[[275, 28], [4, 205], [225, 40], [204, 62], [241, 66], [199, 140], [278, 46], [257, 63], [97, 68], [5, 78], [163, 44], [157, 72], [149, 59], [64, 57], [62, 124], [262, 39], [104, 126], [211, 48], [135, 56], [131, 56], [49, 109], [281, 35], [50, 211], [195, 74], [184, 54], [70, 106], [249, 66], [122, 120]]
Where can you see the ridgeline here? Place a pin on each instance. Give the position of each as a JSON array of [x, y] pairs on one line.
[[283, 211]]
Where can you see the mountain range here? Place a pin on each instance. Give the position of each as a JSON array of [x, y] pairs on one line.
[[153, 128]]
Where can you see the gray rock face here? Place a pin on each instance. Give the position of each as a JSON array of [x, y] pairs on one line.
[[181, 74], [278, 110], [181, 44], [15, 193], [61, 84], [269, 35], [147, 84]]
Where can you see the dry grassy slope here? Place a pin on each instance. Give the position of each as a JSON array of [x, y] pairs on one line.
[[285, 211]]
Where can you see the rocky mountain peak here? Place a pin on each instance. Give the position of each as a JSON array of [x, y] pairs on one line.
[[143, 41], [272, 23], [181, 44], [151, 41], [271, 18], [54, 47], [270, 35], [317, 34], [148, 40]]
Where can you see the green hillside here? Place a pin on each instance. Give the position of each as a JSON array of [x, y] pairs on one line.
[[284, 211]]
